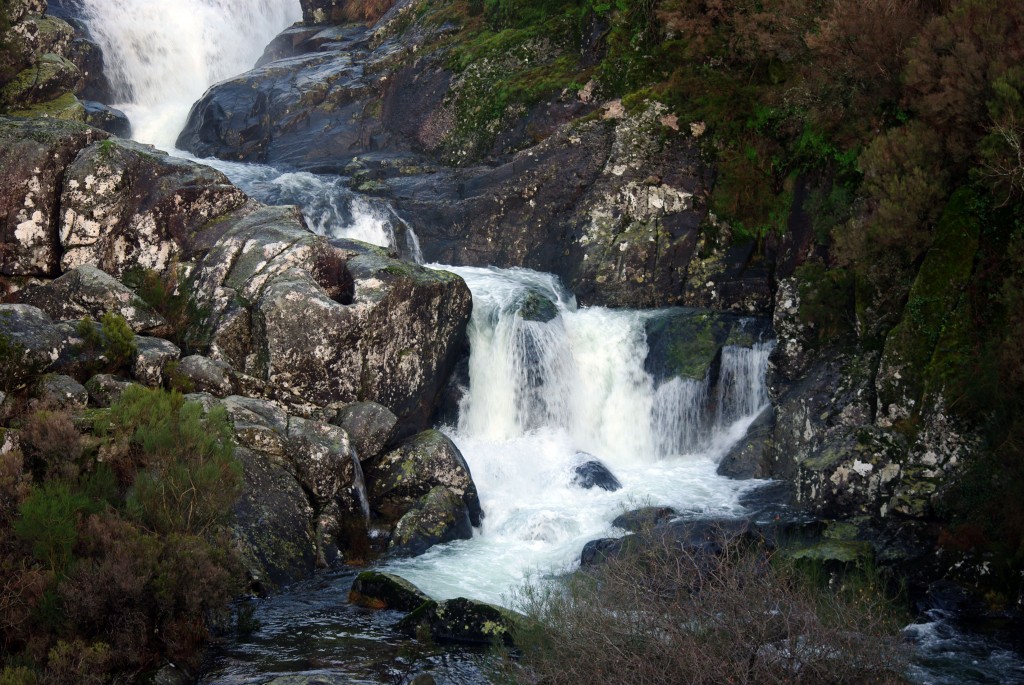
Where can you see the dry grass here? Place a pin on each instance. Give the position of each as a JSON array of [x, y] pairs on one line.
[[669, 615]]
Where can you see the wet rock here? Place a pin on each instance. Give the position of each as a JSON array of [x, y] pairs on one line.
[[61, 391], [537, 307], [33, 157], [369, 427], [105, 389], [386, 591], [644, 518], [751, 456], [437, 517], [274, 522], [593, 473], [208, 375], [687, 343], [127, 206], [463, 621], [85, 291], [151, 356], [401, 477], [600, 550], [106, 118]]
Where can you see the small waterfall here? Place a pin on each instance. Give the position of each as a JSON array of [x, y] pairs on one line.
[[359, 485], [741, 382], [162, 55]]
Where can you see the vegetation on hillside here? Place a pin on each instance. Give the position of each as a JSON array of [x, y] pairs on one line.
[[113, 553]]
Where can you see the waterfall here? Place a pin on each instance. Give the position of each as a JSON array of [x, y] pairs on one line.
[[549, 380], [359, 486], [162, 55]]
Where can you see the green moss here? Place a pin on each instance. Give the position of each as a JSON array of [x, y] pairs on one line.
[[66, 107]]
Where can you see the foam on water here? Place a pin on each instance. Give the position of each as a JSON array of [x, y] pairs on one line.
[[162, 55]]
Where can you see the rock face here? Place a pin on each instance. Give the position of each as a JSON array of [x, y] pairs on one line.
[[128, 206], [613, 204], [34, 156]]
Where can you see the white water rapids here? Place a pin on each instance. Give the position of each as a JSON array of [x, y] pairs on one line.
[[542, 393]]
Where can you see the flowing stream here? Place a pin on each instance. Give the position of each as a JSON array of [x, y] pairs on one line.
[[543, 394]]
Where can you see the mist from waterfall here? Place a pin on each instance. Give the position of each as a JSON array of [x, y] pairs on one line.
[[161, 56]]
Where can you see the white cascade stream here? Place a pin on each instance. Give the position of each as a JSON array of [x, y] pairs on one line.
[[542, 393], [162, 55]]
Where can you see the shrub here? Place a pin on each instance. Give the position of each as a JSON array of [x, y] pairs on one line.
[[50, 439], [190, 478], [114, 340], [663, 614], [49, 523], [170, 298]]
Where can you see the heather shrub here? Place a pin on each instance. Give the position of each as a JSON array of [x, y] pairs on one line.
[[170, 297], [665, 614], [189, 478], [52, 443]]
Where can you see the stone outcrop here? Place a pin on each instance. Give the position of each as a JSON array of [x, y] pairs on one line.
[[614, 203]]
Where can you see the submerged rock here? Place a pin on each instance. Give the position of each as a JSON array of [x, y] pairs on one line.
[[592, 473]]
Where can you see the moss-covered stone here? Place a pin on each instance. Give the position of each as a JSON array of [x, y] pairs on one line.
[[463, 621], [46, 80], [439, 516], [377, 590], [944, 274]]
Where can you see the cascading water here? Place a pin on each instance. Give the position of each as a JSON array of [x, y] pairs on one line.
[[162, 55], [549, 381]]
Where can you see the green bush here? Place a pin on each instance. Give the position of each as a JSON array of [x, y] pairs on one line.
[[189, 478], [49, 524], [113, 340], [171, 299]]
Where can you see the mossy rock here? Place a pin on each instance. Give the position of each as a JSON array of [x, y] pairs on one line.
[[833, 555], [439, 516], [536, 307], [376, 590], [464, 621], [911, 345], [51, 77], [686, 343]]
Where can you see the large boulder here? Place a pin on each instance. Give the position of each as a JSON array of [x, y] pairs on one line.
[[85, 291], [332, 322], [127, 206], [30, 344], [397, 480], [592, 473], [369, 426], [34, 155]]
